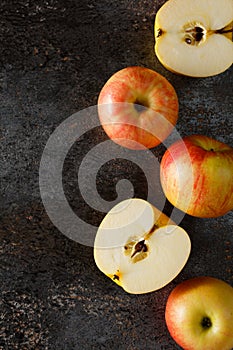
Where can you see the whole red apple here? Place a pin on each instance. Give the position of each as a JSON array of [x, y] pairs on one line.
[[197, 176], [138, 107], [199, 314]]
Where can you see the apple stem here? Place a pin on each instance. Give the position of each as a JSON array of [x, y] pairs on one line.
[[152, 230], [222, 31]]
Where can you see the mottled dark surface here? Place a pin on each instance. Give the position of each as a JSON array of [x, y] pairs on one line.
[[55, 55]]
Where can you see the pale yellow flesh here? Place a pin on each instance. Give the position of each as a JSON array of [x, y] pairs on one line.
[[213, 54], [168, 247], [213, 57], [214, 14]]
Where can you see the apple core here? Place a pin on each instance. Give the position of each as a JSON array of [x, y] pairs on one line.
[[194, 33], [137, 250]]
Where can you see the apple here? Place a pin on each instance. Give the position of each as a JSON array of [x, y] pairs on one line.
[[139, 247], [199, 314], [196, 175], [138, 108], [194, 37]]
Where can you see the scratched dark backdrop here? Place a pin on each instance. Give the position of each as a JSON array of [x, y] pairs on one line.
[[55, 56]]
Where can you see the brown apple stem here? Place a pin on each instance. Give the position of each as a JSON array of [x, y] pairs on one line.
[[222, 31], [152, 230]]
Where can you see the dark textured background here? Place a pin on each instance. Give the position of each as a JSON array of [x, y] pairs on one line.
[[55, 55]]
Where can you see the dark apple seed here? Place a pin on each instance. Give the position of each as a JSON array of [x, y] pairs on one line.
[[188, 41]]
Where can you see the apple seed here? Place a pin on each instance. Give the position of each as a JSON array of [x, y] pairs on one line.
[[136, 248], [139, 247], [188, 41]]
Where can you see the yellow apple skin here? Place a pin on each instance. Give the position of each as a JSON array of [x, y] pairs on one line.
[[126, 124], [199, 314], [197, 176]]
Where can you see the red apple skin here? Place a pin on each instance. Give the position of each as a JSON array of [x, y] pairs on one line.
[[193, 300], [197, 176], [124, 123]]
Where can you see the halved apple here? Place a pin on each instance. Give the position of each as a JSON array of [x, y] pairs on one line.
[[139, 247], [194, 37]]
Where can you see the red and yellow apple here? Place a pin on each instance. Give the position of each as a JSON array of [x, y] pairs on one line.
[[197, 176], [199, 314], [138, 108]]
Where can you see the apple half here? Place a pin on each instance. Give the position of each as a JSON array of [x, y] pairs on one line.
[[194, 37], [139, 247]]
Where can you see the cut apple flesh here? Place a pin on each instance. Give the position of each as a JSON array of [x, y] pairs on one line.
[[194, 37], [139, 247]]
